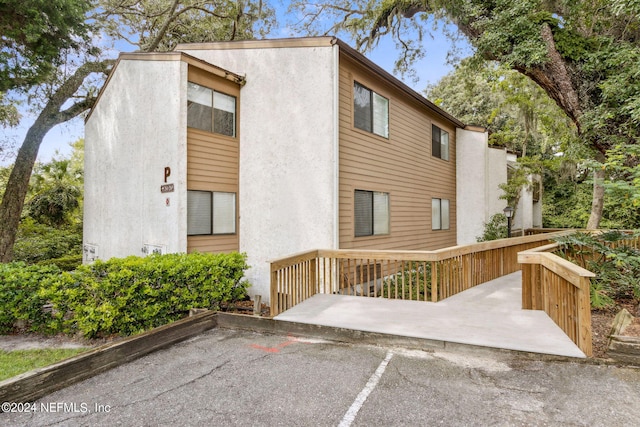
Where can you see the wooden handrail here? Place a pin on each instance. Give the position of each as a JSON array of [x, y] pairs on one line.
[[549, 282], [560, 288], [293, 259], [560, 266], [428, 275], [437, 254]]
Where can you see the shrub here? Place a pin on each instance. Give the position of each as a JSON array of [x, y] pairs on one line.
[[19, 294], [615, 263], [64, 263], [119, 296], [37, 242], [413, 283], [495, 229], [129, 295]]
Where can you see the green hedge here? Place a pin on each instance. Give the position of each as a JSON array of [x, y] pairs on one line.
[[65, 263], [20, 299], [121, 296]]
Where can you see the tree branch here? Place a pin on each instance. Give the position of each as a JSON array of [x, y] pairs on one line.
[[163, 30]]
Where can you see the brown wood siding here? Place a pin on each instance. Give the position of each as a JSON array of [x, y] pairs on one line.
[[401, 166], [213, 165]]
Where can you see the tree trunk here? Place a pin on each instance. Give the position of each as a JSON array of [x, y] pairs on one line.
[[17, 187], [18, 184], [597, 202]]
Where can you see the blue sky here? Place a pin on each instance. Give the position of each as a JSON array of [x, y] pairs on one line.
[[428, 71]]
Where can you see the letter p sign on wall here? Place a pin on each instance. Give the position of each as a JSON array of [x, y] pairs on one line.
[[167, 173]]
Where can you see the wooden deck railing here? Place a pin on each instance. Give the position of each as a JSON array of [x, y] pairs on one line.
[[549, 282], [561, 289], [530, 231], [413, 275]]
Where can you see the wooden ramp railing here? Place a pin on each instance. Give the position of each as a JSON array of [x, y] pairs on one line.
[[412, 275], [549, 282], [561, 289]]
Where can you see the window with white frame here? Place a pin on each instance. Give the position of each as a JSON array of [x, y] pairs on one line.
[[439, 214], [210, 213], [210, 111], [439, 143], [370, 111], [371, 213]]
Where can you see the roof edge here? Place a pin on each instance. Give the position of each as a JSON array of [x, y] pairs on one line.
[[394, 81], [319, 41], [324, 41], [185, 57], [168, 56]]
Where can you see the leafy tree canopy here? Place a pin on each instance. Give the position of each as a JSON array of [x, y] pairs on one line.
[[585, 54], [34, 33], [159, 25], [516, 112], [70, 91]]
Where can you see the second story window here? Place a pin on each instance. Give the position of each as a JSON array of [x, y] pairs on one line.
[[370, 111], [210, 111], [439, 143]]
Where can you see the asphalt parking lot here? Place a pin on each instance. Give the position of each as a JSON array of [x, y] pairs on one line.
[[227, 377]]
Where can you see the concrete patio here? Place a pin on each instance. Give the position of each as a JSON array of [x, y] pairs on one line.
[[488, 315]]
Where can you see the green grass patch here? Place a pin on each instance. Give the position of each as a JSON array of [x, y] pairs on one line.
[[16, 362]]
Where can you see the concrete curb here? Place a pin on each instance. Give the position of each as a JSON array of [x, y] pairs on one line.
[[330, 333], [37, 383], [352, 336]]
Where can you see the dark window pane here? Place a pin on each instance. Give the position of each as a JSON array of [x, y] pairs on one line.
[[362, 107], [199, 116], [224, 114], [435, 141], [363, 213], [199, 103], [224, 122]]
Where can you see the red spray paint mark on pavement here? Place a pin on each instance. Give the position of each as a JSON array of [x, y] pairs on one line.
[[276, 349]]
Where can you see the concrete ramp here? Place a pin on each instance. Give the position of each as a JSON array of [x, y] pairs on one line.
[[488, 315]]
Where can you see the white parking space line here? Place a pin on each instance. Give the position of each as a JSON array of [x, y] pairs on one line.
[[350, 415]]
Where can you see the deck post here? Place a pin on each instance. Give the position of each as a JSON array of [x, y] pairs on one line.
[[584, 317], [274, 294], [434, 281]]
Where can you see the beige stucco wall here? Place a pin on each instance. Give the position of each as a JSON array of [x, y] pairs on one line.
[[128, 143], [480, 170]]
